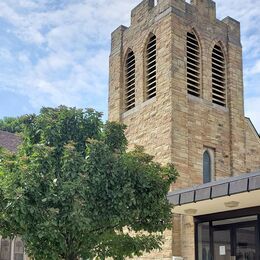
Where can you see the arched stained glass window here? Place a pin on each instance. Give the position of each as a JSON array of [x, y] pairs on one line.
[[206, 167]]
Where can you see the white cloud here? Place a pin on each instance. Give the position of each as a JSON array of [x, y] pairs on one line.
[[22, 25], [256, 68], [5, 55], [73, 42]]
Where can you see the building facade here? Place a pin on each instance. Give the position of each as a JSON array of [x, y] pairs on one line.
[[176, 81]]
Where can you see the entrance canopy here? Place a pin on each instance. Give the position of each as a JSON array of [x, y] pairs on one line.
[[228, 194]]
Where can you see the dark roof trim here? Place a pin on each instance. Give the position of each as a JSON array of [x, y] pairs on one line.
[[230, 186]]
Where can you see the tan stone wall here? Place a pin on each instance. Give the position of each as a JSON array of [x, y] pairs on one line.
[[174, 126], [149, 123]]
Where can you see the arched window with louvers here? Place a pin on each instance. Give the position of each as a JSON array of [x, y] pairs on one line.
[[193, 65], [151, 66], [218, 76], [129, 94]]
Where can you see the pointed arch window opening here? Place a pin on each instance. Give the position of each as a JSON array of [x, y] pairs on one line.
[[218, 76], [207, 167], [193, 65], [129, 97], [151, 77]]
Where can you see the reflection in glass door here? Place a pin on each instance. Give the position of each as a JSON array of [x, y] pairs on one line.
[[246, 243], [222, 244], [235, 241], [204, 241]]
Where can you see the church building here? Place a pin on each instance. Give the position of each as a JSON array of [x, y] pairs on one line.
[[176, 82]]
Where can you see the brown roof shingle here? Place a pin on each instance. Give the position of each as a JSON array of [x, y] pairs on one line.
[[9, 141]]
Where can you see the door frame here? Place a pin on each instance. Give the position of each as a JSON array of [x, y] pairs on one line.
[[228, 215]]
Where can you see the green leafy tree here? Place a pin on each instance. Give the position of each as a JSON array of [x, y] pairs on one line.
[[12, 124], [73, 191]]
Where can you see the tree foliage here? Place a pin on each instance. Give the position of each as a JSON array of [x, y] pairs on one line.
[[73, 191], [12, 124]]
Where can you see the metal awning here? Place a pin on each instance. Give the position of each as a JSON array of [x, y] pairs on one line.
[[195, 200]]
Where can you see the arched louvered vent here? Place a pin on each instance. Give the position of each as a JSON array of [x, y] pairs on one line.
[[130, 81], [218, 76], [193, 65], [151, 68]]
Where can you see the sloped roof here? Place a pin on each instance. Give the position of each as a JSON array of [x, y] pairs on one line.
[[9, 141]]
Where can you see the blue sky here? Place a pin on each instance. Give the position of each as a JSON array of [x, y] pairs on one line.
[[56, 52]]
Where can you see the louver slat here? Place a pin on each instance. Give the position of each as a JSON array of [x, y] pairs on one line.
[[151, 54], [130, 81], [193, 65], [218, 77]]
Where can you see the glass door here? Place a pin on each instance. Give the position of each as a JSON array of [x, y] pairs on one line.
[[223, 238], [235, 242], [246, 243], [222, 244]]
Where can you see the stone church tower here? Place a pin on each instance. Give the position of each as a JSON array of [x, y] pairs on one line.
[[176, 81]]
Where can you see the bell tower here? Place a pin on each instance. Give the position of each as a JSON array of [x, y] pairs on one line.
[[176, 81]]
